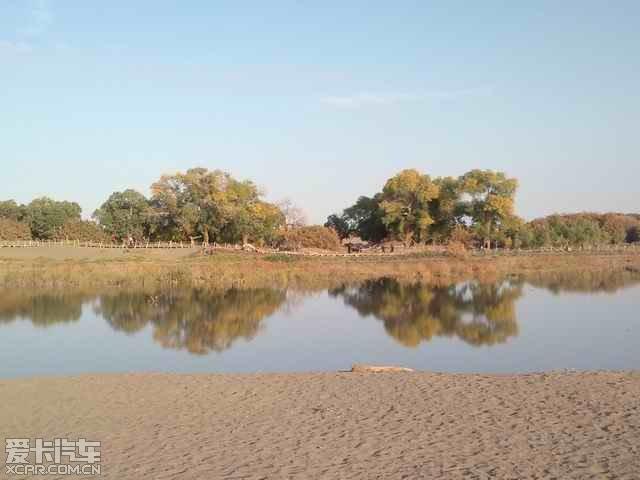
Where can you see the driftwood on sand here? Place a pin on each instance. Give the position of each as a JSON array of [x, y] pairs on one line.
[[378, 369]]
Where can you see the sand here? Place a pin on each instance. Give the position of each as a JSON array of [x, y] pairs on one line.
[[340, 425]]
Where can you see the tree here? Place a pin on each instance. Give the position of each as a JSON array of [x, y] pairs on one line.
[[192, 203], [618, 226], [256, 221], [125, 214], [365, 218], [339, 224], [214, 205], [406, 205], [11, 210], [46, 216], [581, 230], [446, 210], [294, 216], [490, 202], [13, 230], [83, 230]]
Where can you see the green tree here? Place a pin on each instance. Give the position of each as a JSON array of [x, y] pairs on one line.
[[46, 216], [247, 216], [11, 210], [339, 224], [490, 203], [406, 205], [581, 230], [125, 214], [83, 230], [192, 203], [255, 221], [214, 205], [446, 209], [364, 218]]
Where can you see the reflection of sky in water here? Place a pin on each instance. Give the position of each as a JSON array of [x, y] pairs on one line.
[[466, 328]]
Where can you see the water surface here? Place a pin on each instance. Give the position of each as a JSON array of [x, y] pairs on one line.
[[582, 322]]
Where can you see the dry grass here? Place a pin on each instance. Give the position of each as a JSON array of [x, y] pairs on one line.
[[224, 270], [457, 250]]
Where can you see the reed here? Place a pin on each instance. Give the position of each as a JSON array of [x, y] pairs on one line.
[[224, 270]]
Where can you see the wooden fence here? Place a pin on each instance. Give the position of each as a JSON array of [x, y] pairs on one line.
[[84, 244]]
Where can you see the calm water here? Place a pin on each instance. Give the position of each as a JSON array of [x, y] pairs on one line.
[[512, 326]]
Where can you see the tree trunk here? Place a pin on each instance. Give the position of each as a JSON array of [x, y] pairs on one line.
[[205, 236]]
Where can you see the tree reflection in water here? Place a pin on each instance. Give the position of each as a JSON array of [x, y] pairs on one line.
[[42, 310], [202, 321], [195, 320], [478, 313]]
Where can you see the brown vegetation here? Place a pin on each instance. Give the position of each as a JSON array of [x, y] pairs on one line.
[[81, 230], [315, 237], [13, 230], [457, 250], [222, 270]]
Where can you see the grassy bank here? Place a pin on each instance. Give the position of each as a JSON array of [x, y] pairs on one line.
[[224, 270]]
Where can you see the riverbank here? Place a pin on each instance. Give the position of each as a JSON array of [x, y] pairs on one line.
[[72, 267], [339, 425]]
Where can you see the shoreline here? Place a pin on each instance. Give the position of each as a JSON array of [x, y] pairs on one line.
[[72, 267], [373, 369], [562, 424]]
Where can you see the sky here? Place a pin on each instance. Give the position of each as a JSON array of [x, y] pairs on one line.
[[321, 102]]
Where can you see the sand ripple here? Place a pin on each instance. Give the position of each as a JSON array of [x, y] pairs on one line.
[[340, 425]]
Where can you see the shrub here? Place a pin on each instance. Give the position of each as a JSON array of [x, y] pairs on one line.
[[14, 230], [461, 235], [314, 236], [457, 250], [82, 230]]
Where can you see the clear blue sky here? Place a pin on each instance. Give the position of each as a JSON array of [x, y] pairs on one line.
[[321, 101]]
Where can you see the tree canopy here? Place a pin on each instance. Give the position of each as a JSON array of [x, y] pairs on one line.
[[125, 214], [476, 209], [212, 205], [405, 203], [413, 207], [46, 216]]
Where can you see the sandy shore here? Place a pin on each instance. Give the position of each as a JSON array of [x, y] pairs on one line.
[[340, 425]]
